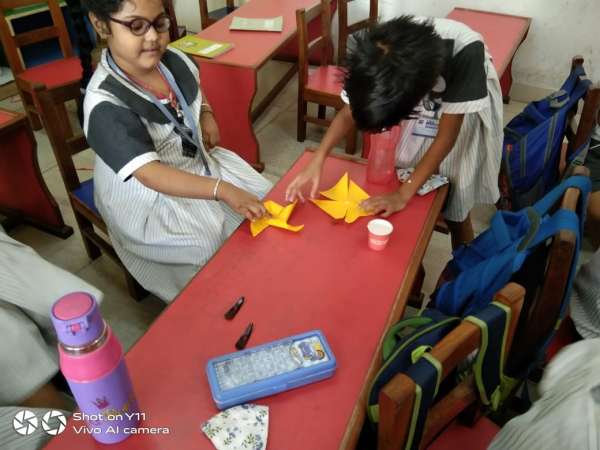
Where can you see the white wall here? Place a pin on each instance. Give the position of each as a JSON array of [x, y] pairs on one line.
[[559, 30]]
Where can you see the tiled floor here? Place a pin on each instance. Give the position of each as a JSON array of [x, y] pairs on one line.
[[276, 133]]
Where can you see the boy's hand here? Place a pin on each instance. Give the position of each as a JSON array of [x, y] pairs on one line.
[[310, 175], [242, 202], [386, 204], [210, 129]]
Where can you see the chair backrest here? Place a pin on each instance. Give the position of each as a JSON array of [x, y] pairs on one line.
[[397, 398], [589, 115], [345, 29], [12, 42], [322, 43], [64, 144], [205, 19], [170, 10], [545, 275]]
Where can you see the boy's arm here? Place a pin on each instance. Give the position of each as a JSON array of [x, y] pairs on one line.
[[448, 130], [311, 174]]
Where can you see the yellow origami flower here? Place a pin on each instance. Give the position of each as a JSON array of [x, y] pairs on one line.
[[279, 217], [344, 200]]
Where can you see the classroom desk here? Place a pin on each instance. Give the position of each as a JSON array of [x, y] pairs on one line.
[[23, 192], [324, 277], [229, 81]]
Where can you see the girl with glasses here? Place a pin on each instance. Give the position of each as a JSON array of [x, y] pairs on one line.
[[168, 194]]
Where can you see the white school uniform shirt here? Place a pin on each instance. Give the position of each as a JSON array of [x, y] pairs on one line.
[[567, 415], [162, 240]]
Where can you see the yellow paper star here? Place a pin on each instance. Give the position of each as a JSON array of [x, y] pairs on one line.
[[279, 217], [344, 200]]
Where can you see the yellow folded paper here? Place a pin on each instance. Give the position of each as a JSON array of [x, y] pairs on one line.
[[344, 200], [279, 217]]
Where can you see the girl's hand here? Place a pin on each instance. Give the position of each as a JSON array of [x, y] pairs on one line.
[[241, 201], [210, 129], [310, 175], [386, 204]]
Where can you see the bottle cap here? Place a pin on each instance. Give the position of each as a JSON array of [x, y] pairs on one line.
[[77, 320]]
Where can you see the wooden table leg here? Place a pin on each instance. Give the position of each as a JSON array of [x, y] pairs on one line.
[[22, 188], [230, 91]]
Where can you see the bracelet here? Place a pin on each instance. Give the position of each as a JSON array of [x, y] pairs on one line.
[[215, 189], [205, 107]]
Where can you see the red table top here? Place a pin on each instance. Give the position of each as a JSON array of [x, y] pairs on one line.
[[324, 277], [502, 33], [6, 116], [253, 48]]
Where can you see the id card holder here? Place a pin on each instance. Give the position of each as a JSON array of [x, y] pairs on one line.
[[426, 126]]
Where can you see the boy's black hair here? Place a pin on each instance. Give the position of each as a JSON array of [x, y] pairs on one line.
[[390, 69]]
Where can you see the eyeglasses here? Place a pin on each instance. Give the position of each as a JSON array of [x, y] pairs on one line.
[[140, 26]]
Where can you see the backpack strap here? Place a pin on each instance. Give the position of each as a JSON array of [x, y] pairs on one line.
[[493, 322], [581, 182], [426, 372]]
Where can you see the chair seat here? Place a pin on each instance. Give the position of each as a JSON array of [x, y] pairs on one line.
[[329, 79], [565, 335], [457, 436], [85, 194], [54, 73], [218, 14]]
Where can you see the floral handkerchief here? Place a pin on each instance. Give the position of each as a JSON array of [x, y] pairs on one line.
[[243, 427]]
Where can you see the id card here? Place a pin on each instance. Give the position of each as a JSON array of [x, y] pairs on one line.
[[426, 126]]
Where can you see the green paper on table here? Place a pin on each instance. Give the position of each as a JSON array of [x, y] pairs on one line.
[[201, 47], [257, 24]]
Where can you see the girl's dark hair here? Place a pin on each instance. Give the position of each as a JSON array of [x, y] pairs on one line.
[[390, 69], [103, 9]]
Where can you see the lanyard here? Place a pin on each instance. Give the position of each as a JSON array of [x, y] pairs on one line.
[[194, 139]]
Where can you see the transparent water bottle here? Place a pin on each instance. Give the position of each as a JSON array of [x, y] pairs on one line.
[[91, 359], [382, 156]]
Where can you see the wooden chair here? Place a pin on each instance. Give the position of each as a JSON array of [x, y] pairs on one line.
[[345, 29], [81, 194], [52, 74], [176, 31], [208, 18], [545, 275], [442, 431], [323, 84]]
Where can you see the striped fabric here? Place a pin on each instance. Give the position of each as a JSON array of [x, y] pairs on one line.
[[474, 162], [29, 285], [585, 300], [567, 415], [162, 240]]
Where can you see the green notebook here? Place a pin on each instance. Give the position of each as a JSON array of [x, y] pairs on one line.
[[247, 24], [201, 47]]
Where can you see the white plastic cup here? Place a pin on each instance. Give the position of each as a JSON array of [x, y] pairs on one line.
[[379, 233]]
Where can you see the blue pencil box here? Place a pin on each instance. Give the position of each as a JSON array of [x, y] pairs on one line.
[[270, 368]]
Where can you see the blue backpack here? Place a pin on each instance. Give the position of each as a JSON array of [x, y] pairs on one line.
[[480, 269], [533, 141]]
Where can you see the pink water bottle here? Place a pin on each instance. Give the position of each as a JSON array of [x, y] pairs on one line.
[[91, 359], [382, 156]]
